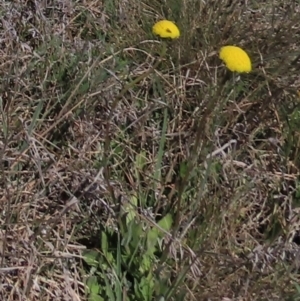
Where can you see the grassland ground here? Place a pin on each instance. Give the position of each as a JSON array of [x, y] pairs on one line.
[[136, 168]]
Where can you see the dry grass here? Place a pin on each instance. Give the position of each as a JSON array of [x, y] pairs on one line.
[[95, 111]]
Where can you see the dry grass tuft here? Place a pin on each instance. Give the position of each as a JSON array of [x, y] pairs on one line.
[[94, 112]]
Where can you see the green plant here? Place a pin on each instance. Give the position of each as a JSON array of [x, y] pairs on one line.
[[126, 259]]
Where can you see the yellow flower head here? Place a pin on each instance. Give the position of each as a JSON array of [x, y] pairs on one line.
[[166, 29], [235, 59]]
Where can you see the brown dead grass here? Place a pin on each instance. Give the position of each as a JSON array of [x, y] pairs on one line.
[[82, 96]]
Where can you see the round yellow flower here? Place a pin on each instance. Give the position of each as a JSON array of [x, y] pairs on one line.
[[235, 59], [166, 29]]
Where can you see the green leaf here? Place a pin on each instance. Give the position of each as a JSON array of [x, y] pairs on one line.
[[109, 289], [152, 239], [130, 209], [91, 257], [93, 285], [137, 234], [104, 243], [143, 288], [166, 222], [155, 234], [146, 287], [127, 235], [140, 160], [95, 298], [146, 263]]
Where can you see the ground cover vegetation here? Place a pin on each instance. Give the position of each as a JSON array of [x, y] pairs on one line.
[[138, 167]]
